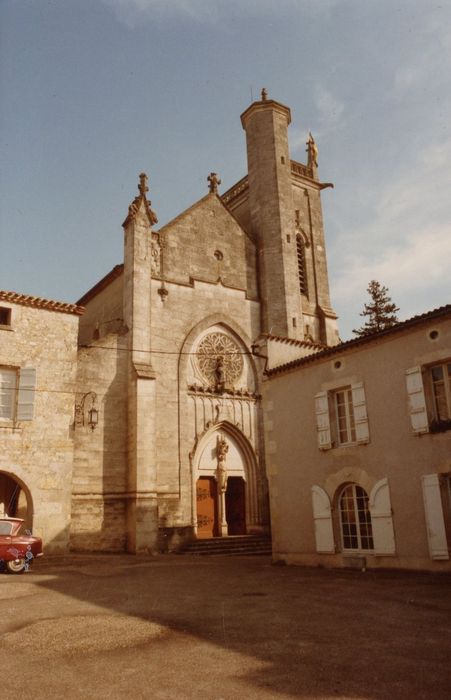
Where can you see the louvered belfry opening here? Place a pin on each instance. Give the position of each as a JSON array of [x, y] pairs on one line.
[[300, 250]]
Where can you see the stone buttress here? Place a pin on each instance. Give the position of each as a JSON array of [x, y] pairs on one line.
[[142, 511]]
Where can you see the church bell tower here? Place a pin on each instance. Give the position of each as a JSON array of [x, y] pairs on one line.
[[285, 210]]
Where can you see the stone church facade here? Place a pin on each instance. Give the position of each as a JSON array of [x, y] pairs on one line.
[[200, 390], [169, 347]]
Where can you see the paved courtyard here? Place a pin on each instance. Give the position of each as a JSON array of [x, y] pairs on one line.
[[182, 627]]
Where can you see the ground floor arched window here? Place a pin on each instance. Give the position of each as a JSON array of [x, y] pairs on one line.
[[355, 519]]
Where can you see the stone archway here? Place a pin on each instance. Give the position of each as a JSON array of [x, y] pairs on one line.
[[225, 484], [15, 499]]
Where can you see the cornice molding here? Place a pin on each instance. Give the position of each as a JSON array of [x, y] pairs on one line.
[[264, 105]]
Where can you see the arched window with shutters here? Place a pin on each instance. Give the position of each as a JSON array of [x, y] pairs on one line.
[[302, 271], [355, 519]]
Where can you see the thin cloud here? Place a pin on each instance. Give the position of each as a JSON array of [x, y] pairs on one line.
[[418, 197], [408, 77], [330, 116], [416, 275], [425, 63], [330, 110], [419, 263], [407, 246], [133, 12], [298, 140], [401, 203]]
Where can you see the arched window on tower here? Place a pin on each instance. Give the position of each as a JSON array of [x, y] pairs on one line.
[[302, 271]]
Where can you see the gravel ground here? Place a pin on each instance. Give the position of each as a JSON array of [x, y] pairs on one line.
[[180, 627]]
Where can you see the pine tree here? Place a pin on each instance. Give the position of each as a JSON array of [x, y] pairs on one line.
[[380, 313]]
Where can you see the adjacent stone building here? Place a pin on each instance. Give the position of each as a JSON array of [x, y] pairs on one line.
[[359, 450], [38, 361]]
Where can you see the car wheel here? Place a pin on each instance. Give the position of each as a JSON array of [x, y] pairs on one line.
[[16, 566]]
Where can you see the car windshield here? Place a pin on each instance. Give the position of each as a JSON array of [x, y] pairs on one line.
[[6, 528]]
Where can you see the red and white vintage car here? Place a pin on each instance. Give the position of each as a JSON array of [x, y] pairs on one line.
[[17, 550]]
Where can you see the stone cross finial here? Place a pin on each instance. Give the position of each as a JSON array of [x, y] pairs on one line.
[[214, 182], [139, 200], [312, 151], [142, 187], [264, 95]]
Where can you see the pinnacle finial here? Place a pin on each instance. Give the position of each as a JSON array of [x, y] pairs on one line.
[[139, 200], [214, 181], [264, 95], [142, 187]]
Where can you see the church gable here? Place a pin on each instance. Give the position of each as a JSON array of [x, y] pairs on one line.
[[206, 243]]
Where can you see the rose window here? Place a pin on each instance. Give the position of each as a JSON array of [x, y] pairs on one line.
[[213, 347]]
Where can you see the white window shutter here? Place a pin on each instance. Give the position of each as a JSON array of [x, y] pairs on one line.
[[322, 517], [362, 430], [25, 398], [8, 379], [323, 420], [435, 523], [417, 400], [381, 518]]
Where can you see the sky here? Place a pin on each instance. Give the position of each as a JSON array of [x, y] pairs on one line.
[[95, 91]]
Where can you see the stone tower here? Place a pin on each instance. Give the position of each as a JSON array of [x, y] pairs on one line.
[[286, 220]]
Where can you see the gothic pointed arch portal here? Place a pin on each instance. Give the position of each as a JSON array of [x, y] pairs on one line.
[[15, 499], [225, 488]]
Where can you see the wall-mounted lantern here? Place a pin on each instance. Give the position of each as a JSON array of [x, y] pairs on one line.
[[92, 414], [93, 417]]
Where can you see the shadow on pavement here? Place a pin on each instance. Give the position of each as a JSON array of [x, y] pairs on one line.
[[282, 631]]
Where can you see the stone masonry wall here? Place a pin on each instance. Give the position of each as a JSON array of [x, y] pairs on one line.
[[101, 470], [104, 312], [186, 309], [40, 452], [99, 482], [393, 450], [193, 238]]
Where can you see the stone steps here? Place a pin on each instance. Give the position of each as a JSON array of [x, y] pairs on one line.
[[238, 545]]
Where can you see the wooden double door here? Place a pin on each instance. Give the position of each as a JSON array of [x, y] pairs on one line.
[[208, 501]]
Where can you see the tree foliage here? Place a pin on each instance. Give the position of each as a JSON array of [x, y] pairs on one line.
[[380, 313]]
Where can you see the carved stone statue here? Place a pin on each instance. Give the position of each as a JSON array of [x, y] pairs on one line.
[[213, 346], [220, 375], [214, 182], [221, 452], [155, 257], [312, 151]]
